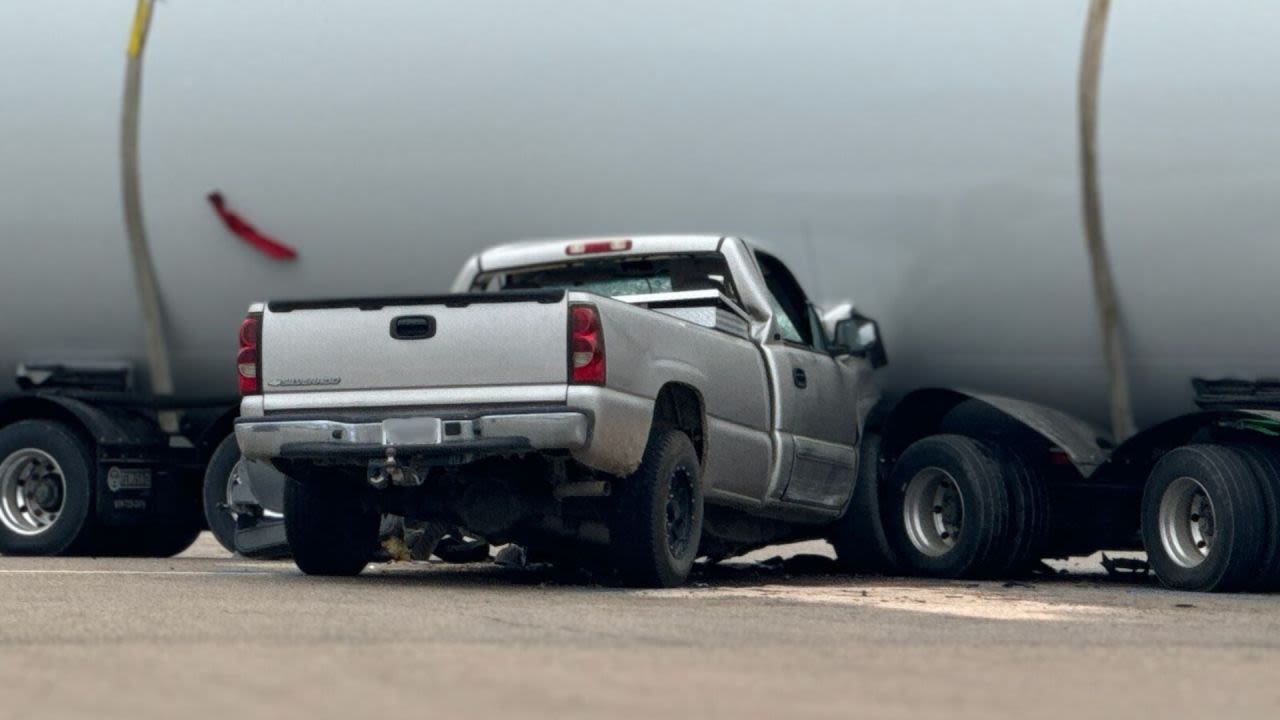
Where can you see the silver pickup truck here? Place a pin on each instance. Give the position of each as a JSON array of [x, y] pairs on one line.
[[645, 400]]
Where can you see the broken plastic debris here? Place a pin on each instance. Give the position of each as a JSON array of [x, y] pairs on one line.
[[1124, 566]]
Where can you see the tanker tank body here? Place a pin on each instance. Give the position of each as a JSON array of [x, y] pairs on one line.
[[92, 461], [922, 158]]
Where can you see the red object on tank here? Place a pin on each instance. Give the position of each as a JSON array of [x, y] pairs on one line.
[[268, 245]]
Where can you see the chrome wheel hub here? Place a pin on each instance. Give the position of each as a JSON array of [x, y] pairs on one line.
[[1186, 519], [32, 490], [933, 511]]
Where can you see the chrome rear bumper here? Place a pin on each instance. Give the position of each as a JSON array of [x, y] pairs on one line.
[[267, 439]]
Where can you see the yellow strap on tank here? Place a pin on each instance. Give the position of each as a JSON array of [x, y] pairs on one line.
[[138, 35]]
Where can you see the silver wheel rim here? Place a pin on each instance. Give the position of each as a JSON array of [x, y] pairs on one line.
[[933, 511], [1187, 522], [234, 480], [237, 494], [32, 491]]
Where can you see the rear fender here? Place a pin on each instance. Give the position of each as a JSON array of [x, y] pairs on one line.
[[993, 417], [1133, 461], [100, 425]]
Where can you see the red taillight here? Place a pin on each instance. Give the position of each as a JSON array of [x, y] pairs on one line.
[[586, 345], [249, 359], [592, 247]]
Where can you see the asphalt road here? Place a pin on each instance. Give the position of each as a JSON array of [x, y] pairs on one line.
[[207, 635]]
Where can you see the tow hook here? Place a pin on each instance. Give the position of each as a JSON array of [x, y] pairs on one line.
[[390, 472]]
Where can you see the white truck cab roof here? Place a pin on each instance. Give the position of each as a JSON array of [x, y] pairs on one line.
[[550, 251], [546, 251]]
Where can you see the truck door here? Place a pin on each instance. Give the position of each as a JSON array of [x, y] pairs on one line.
[[815, 415]]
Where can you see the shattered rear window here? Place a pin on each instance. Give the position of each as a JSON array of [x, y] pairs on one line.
[[620, 276]]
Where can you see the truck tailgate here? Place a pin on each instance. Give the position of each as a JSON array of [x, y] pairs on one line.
[[507, 338]]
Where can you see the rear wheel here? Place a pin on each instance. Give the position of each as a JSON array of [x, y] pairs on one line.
[[331, 527], [1028, 513], [946, 511], [1202, 519], [46, 489], [1265, 463], [657, 514]]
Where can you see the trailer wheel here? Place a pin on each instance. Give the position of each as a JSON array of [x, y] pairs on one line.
[[331, 527], [657, 514], [46, 489], [947, 511], [217, 480], [148, 541], [1202, 519], [858, 536], [1028, 513], [1265, 463]]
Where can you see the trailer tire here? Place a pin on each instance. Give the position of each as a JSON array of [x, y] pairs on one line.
[[146, 541], [331, 527], [1028, 513], [217, 476], [657, 514], [67, 489], [1202, 523], [1265, 462], [858, 536], [947, 509]]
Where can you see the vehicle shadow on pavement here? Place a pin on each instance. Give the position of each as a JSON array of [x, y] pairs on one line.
[[797, 569]]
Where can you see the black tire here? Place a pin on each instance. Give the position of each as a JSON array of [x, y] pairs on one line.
[[149, 541], [1265, 463], [975, 474], [1028, 514], [1233, 533], [657, 514], [858, 536], [331, 525], [217, 476], [73, 530]]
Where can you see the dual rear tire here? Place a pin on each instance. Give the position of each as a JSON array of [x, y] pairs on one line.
[[1210, 521], [957, 507]]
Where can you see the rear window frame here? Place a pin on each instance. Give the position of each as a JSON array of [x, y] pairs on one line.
[[484, 279]]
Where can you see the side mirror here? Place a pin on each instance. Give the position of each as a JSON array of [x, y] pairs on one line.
[[832, 315], [859, 336]]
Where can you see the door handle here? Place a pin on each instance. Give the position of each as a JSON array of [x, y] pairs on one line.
[[801, 380], [413, 327]]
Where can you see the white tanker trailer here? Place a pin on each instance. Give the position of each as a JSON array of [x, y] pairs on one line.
[[922, 158]]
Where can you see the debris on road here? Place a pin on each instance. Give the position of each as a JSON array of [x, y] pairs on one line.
[[1120, 567]]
